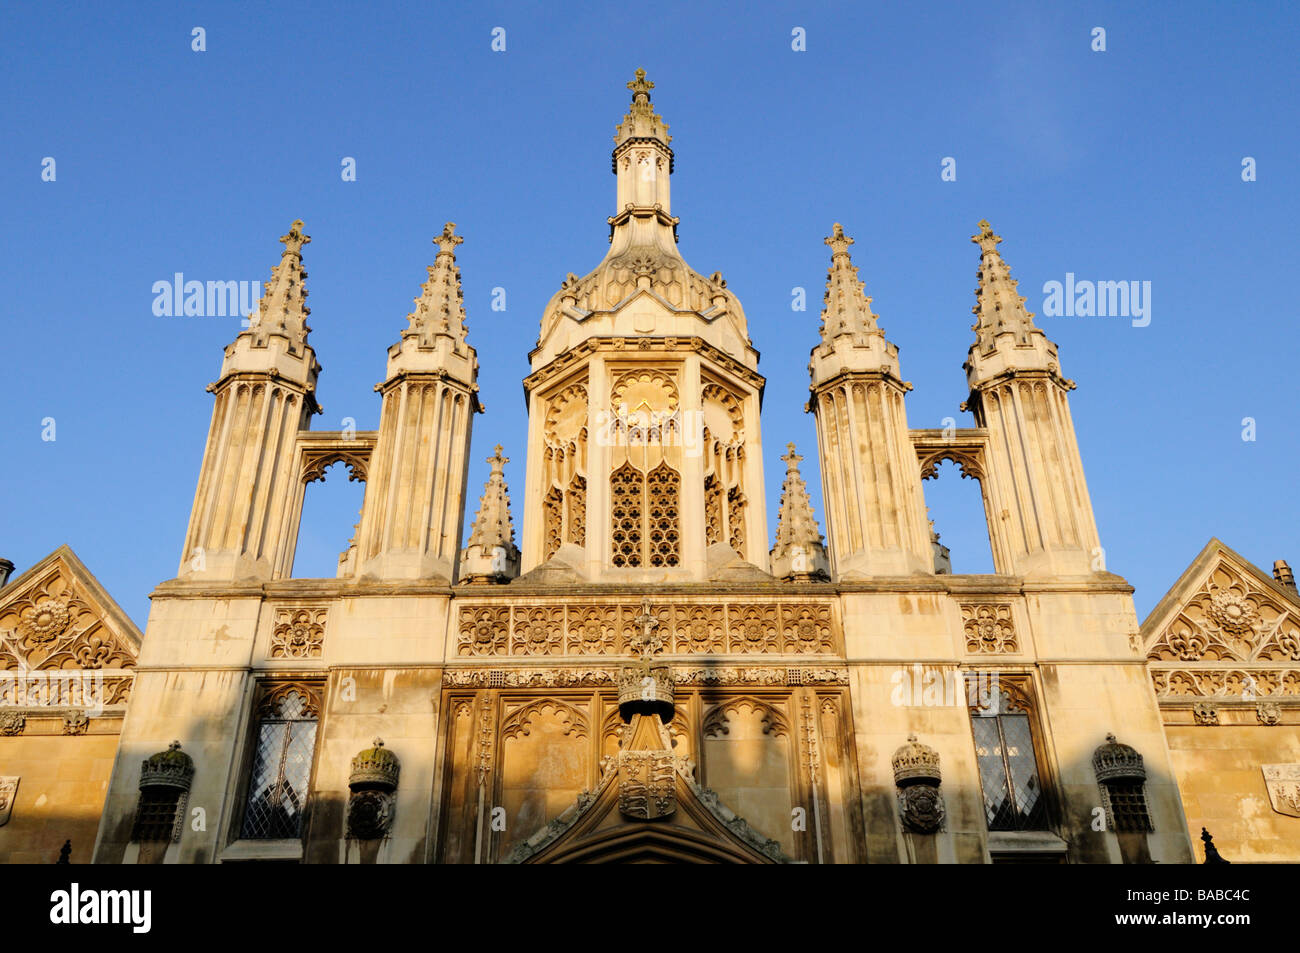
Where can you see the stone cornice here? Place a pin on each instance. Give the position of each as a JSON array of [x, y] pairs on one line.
[[631, 345]]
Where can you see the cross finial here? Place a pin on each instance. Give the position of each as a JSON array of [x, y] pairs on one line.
[[294, 241], [986, 240], [640, 86], [497, 461], [791, 458], [448, 240], [838, 241], [379, 742], [648, 640], [174, 746]]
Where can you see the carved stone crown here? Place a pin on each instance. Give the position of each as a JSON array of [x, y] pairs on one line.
[[1117, 762], [915, 763], [646, 688], [375, 768], [172, 768]]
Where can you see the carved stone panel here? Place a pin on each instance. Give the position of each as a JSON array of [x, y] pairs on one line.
[[1283, 783], [989, 628], [8, 794], [555, 629], [753, 628], [698, 629], [484, 630], [299, 632], [645, 784], [806, 628]]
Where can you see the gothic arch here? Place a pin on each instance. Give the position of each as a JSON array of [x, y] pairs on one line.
[[519, 721]]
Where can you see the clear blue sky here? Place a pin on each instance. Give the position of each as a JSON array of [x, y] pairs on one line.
[[1122, 165]]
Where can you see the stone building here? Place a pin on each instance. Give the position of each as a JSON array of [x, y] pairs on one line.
[[640, 677]]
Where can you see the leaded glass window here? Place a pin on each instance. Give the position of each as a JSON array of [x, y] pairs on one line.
[[1009, 778], [285, 741], [644, 517]]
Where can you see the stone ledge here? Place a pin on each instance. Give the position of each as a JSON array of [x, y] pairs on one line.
[[242, 851]]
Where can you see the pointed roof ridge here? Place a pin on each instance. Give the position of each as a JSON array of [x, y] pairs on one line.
[[999, 307], [282, 309], [88, 578], [493, 525], [1195, 570], [440, 309], [846, 307]]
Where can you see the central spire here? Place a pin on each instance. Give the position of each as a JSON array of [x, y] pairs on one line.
[[643, 161]]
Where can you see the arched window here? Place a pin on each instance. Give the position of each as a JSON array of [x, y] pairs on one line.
[[284, 746], [1014, 799], [644, 516]]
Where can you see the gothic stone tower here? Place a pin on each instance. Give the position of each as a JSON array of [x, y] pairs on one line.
[[640, 677], [644, 452]]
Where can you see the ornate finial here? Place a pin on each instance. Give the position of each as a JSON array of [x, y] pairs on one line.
[[490, 555], [649, 639], [986, 239], [440, 309], [294, 241], [846, 307], [282, 310], [799, 552], [448, 240], [1110, 738], [640, 86], [1212, 855], [911, 736], [838, 241], [174, 746], [379, 742], [641, 121]]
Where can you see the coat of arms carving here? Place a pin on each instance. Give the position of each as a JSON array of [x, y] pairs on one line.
[[8, 794], [1283, 783]]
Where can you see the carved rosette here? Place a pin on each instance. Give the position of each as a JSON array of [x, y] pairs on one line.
[[51, 626], [917, 775], [12, 722], [538, 632], [989, 629], [44, 623], [484, 630], [299, 632]]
